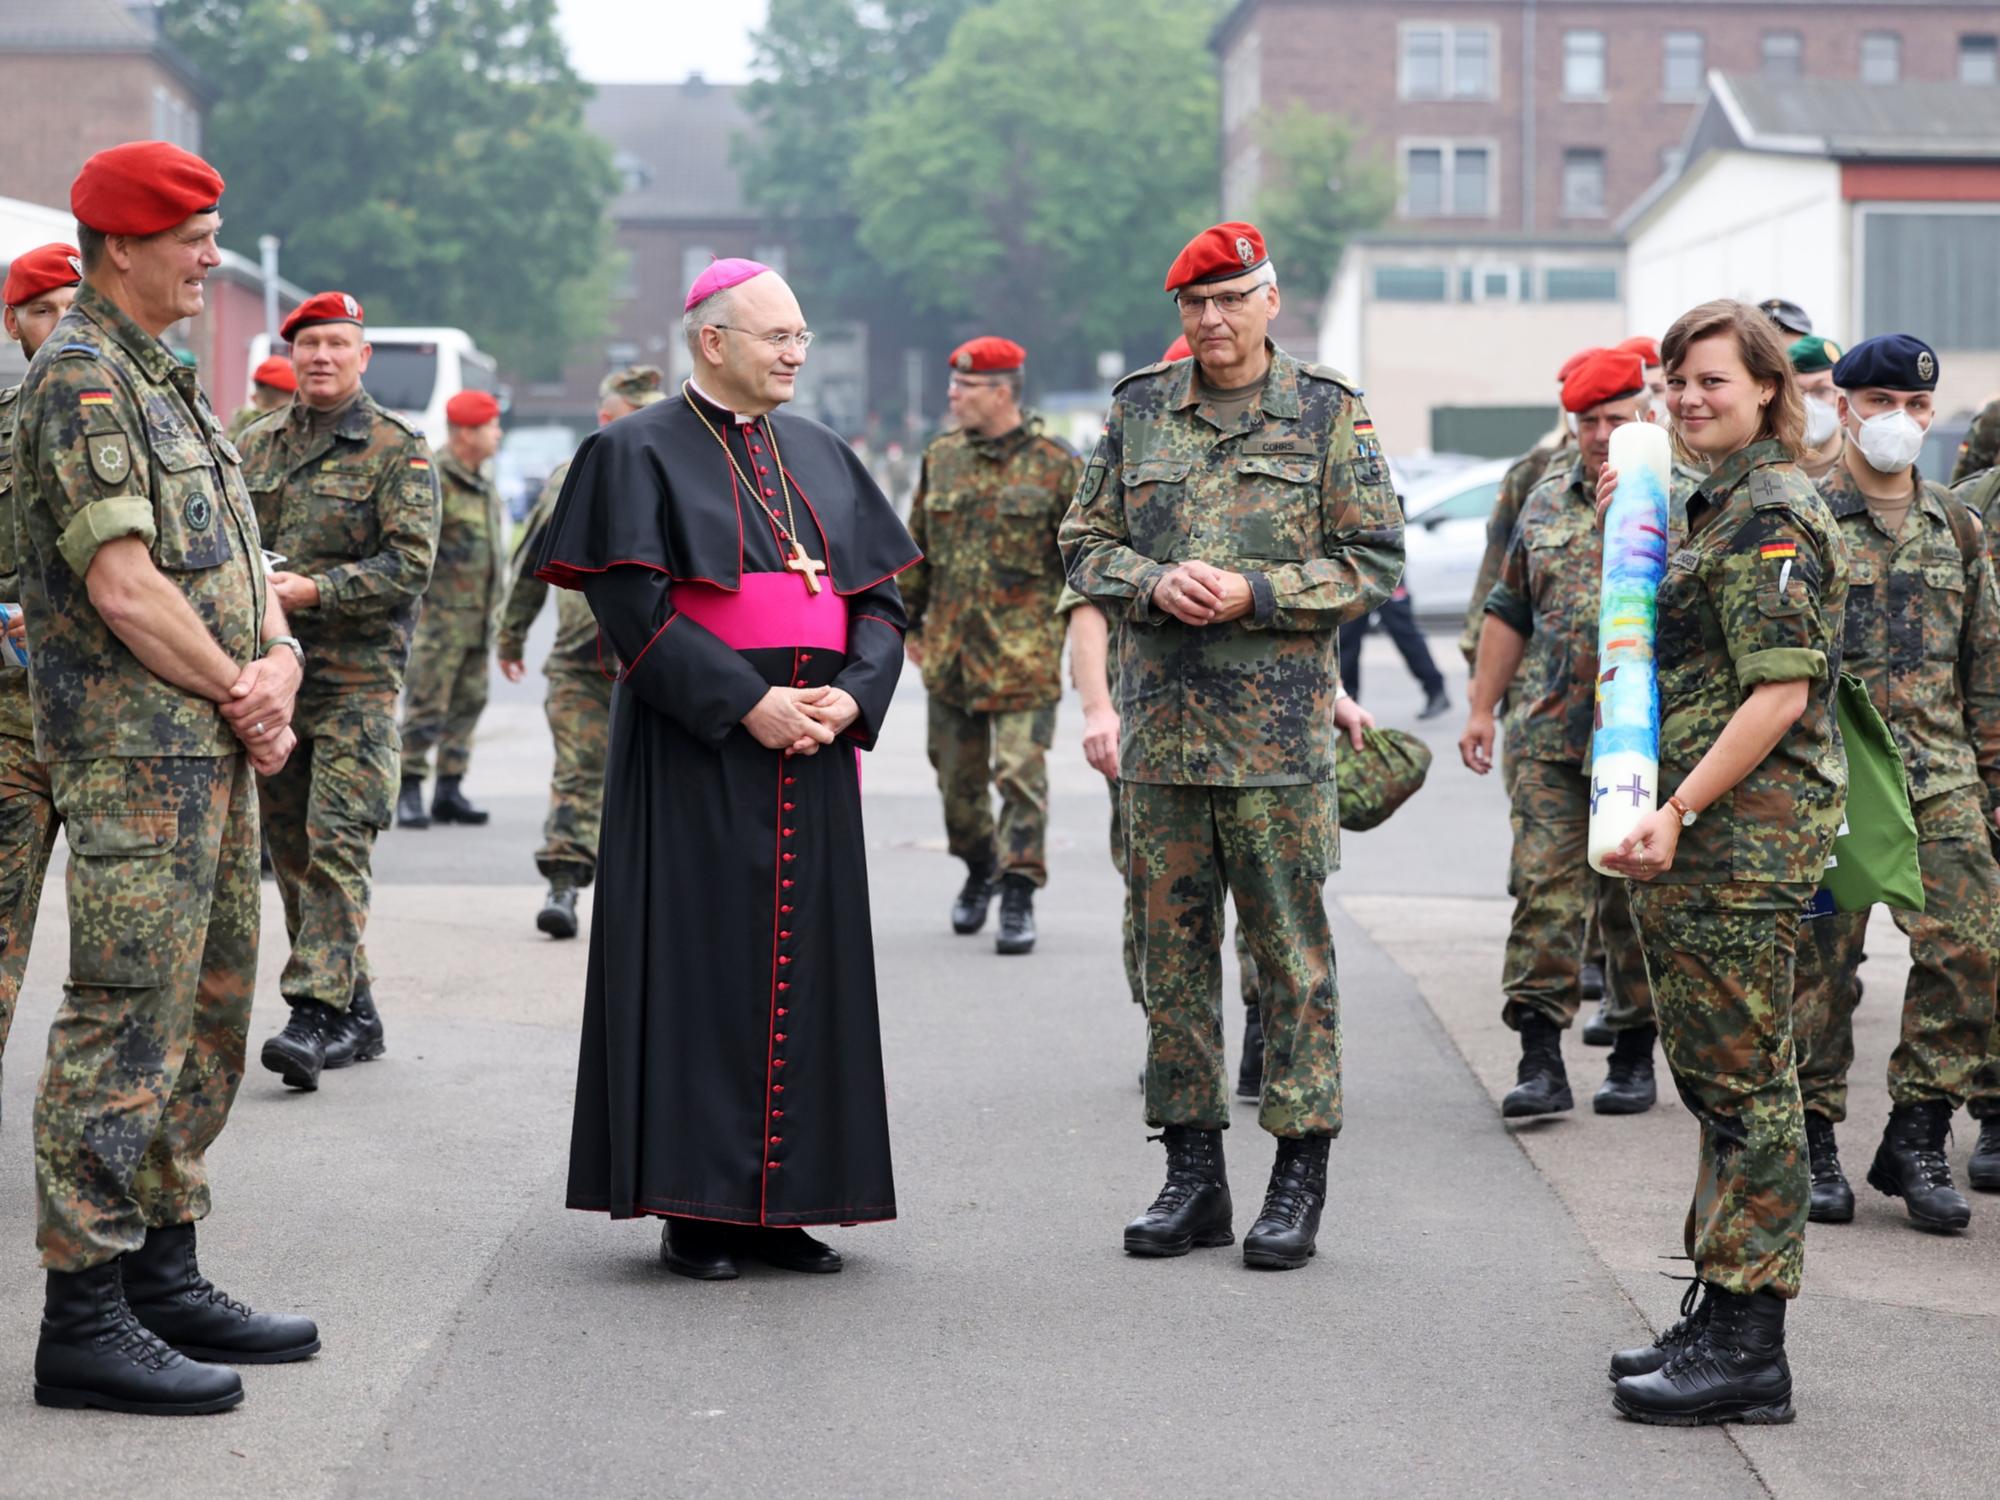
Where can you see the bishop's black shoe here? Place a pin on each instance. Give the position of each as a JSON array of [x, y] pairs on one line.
[[1250, 1075], [1649, 1357], [558, 914], [1193, 1207], [410, 804], [968, 912], [168, 1293], [788, 1250], [1629, 1087], [357, 1034], [1983, 1171], [297, 1053], [448, 805], [1832, 1199], [698, 1250], [1286, 1233], [1735, 1369], [1910, 1164], [95, 1352], [1541, 1085], [1017, 915]]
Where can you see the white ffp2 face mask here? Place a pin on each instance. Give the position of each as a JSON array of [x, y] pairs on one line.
[[1822, 418], [1890, 440]]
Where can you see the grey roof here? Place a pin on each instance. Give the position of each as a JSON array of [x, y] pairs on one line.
[[93, 26], [1845, 118], [672, 143]]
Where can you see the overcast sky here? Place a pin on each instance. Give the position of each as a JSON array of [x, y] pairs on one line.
[[660, 41]]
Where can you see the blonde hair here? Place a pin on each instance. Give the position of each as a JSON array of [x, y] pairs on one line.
[[1757, 344]]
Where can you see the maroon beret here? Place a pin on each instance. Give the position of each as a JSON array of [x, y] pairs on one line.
[[471, 409], [40, 270], [988, 356], [321, 307], [277, 373], [1219, 253], [1600, 375], [142, 187]]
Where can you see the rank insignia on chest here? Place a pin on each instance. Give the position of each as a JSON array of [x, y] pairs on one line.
[[198, 512], [110, 457]]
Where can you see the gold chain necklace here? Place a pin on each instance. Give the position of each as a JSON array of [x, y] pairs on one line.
[[798, 562]]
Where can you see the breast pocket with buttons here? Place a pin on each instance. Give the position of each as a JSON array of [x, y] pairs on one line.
[[188, 503], [1156, 507], [1274, 514], [339, 519]]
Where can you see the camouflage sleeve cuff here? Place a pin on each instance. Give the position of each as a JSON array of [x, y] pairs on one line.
[[1511, 610], [329, 590], [509, 649], [1143, 609], [104, 521], [1263, 598], [1068, 600], [1782, 664]]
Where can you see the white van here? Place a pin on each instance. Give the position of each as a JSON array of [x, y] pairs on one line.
[[414, 371]]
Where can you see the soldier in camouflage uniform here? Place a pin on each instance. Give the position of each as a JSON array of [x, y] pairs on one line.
[[984, 628], [447, 685], [1236, 510], [272, 386], [1923, 632], [1544, 607], [578, 703], [151, 720], [345, 494], [1748, 639], [1981, 449], [1552, 455], [41, 284]]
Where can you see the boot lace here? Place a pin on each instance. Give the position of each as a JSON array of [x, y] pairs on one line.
[[1289, 1197], [130, 1339], [1185, 1177], [1823, 1151], [1694, 1314], [1927, 1151]]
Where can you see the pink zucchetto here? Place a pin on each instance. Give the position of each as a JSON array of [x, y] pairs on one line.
[[720, 277]]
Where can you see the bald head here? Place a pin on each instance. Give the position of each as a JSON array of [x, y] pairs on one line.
[[743, 343]]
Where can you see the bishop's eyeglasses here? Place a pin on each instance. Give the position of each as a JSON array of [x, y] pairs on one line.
[[779, 342]]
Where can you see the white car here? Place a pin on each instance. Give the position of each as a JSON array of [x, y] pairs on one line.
[[1444, 536]]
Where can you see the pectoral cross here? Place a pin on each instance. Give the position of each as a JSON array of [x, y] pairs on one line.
[[806, 567]]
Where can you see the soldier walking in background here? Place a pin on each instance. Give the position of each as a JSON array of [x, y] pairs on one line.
[[41, 284], [1981, 449], [581, 675], [162, 677], [345, 494], [447, 685], [272, 386], [1236, 510], [985, 631]]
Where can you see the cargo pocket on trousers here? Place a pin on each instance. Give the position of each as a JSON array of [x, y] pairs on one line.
[[123, 895], [360, 775]]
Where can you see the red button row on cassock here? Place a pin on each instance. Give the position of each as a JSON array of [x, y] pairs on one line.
[[784, 959]]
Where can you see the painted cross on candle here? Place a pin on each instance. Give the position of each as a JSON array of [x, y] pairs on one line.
[[1637, 788], [1598, 792]]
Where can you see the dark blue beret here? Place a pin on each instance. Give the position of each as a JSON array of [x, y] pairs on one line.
[[1890, 362]]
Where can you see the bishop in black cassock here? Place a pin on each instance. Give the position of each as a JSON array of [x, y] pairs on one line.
[[742, 564]]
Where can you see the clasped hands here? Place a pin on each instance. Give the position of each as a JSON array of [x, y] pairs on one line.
[[259, 710], [1197, 593], [800, 720]]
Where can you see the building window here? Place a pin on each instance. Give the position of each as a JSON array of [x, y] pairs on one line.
[[1881, 57], [1242, 80], [1583, 183], [1448, 180], [770, 255], [1580, 284], [1583, 65], [1685, 66], [1979, 59], [694, 260], [1784, 54], [1935, 271], [618, 356], [1446, 62], [1411, 284]]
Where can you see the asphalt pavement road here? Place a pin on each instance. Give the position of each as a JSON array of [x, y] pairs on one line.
[[1449, 1339]]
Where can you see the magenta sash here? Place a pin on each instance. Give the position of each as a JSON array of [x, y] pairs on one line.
[[772, 611]]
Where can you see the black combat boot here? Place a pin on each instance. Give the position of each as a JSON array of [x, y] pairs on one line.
[[299, 1051], [1910, 1164], [94, 1352], [698, 1250], [1284, 1236], [174, 1300], [1649, 1357], [1541, 1086], [1193, 1208], [1734, 1371], [448, 805], [558, 914], [1983, 1171], [968, 912], [1629, 1087], [357, 1035], [1250, 1075], [1832, 1199], [1017, 915], [410, 804]]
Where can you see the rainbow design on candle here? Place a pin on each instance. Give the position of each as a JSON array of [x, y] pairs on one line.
[[1625, 748]]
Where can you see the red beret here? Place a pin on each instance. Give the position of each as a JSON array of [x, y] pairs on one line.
[[988, 356], [1600, 375], [471, 409], [1218, 254], [322, 307], [142, 187], [1571, 363], [277, 374], [1178, 349], [40, 270], [1645, 346]]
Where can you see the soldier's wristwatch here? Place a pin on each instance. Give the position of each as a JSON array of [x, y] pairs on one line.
[[1688, 814], [286, 640]]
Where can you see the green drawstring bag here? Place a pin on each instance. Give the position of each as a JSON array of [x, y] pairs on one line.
[[1875, 853], [1378, 778]]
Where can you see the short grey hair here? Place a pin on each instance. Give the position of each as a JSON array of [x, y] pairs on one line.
[[707, 313]]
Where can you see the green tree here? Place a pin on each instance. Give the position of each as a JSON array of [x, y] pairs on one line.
[[1319, 189], [1039, 180], [428, 156]]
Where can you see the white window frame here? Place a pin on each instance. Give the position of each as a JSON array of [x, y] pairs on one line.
[[1895, 38], [1483, 269], [1764, 38], [1603, 91], [1449, 92], [1603, 210], [1670, 95], [1959, 55], [1448, 148]]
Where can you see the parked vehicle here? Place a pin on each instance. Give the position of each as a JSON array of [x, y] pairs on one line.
[[415, 371], [1444, 536]]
